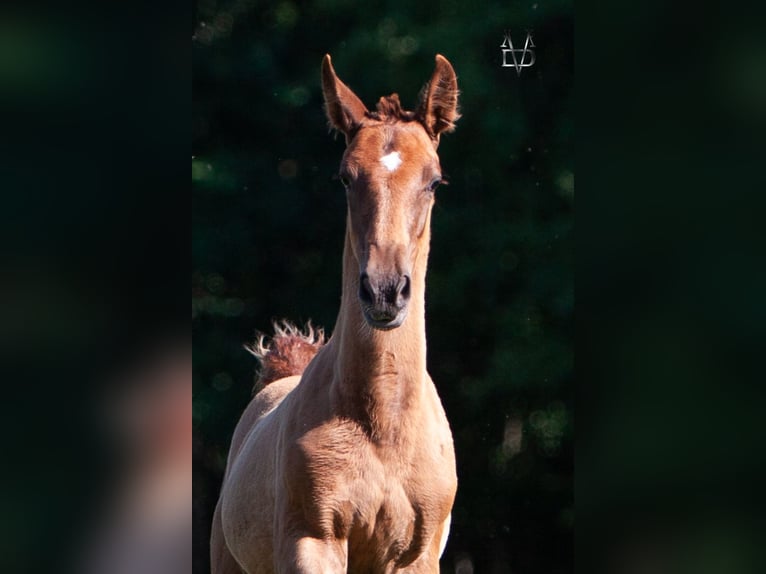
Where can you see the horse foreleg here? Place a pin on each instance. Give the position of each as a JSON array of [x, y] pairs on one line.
[[221, 560], [428, 563], [306, 555]]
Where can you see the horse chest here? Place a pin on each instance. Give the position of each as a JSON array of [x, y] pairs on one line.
[[388, 516], [393, 527], [387, 501]]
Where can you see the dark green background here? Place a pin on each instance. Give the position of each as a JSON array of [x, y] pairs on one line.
[[267, 235]]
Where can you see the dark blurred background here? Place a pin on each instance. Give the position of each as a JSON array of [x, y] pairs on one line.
[[268, 223], [95, 361]]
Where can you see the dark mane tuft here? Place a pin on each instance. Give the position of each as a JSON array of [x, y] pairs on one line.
[[287, 353], [389, 109]]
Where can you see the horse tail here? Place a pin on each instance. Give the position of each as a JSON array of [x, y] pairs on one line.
[[287, 353]]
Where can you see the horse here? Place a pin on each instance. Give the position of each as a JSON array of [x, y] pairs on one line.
[[344, 461]]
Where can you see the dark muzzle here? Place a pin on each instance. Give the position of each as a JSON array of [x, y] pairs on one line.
[[384, 299]]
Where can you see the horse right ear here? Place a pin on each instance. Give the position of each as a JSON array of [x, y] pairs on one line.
[[344, 109], [438, 100]]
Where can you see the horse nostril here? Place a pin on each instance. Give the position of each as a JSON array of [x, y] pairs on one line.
[[365, 289], [403, 289]]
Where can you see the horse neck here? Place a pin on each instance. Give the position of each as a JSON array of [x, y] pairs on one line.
[[379, 375]]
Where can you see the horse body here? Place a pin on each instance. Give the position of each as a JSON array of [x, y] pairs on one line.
[[349, 466]]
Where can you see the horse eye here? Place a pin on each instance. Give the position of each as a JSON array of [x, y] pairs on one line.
[[434, 184], [344, 180]]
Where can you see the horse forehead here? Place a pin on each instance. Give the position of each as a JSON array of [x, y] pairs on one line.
[[393, 147]]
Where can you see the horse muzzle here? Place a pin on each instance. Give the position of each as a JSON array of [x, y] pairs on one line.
[[384, 299]]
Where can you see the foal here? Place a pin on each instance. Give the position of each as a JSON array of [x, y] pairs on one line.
[[349, 465]]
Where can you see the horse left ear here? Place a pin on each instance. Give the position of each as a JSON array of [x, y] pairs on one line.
[[438, 100], [345, 110]]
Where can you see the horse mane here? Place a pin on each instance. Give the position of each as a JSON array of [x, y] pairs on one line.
[[287, 353], [389, 109]]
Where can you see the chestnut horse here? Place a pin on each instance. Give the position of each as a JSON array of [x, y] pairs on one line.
[[349, 465]]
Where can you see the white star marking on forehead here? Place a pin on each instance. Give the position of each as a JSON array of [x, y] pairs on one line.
[[391, 161]]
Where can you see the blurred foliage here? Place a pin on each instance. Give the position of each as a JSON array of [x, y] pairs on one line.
[[267, 235]]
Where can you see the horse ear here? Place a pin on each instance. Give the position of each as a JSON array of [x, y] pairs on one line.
[[344, 109], [438, 100]]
